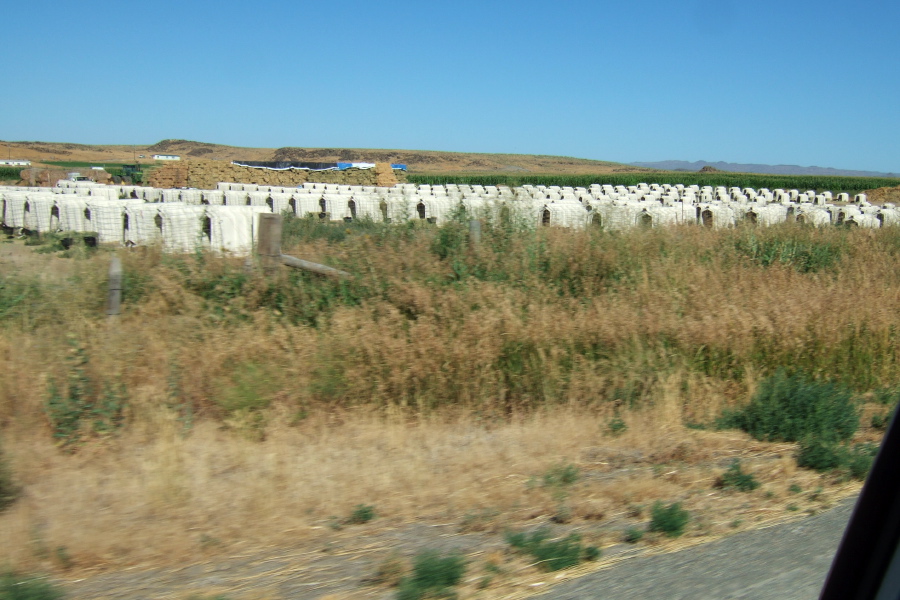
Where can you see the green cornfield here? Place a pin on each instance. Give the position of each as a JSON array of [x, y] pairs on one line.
[[9, 173], [742, 180]]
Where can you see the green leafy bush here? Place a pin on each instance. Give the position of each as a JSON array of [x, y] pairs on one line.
[[19, 587], [75, 409], [551, 555], [363, 513], [18, 296], [788, 408], [434, 575], [735, 478], [670, 520], [880, 421], [818, 454], [9, 491], [802, 249], [859, 460], [633, 535], [824, 455], [617, 425], [888, 395], [560, 475]]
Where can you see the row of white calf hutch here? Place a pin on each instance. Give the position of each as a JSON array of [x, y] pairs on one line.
[[224, 219]]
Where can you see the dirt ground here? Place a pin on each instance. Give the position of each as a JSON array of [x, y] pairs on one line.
[[343, 563]]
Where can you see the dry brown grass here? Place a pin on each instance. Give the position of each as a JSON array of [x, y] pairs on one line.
[[411, 398]]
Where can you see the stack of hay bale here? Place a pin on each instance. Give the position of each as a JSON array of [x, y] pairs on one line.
[[204, 174]]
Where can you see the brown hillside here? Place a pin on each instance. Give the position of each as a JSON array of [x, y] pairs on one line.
[[416, 160]]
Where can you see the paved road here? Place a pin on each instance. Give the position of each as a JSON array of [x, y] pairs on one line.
[[785, 562]]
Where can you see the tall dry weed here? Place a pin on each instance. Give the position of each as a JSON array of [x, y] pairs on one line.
[[440, 377]]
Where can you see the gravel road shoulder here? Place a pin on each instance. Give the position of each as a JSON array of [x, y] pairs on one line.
[[788, 561]]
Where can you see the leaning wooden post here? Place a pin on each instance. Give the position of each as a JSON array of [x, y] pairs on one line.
[[268, 247], [305, 265], [114, 300]]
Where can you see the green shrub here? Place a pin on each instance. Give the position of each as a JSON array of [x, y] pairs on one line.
[[735, 478], [617, 425], [881, 421], [551, 555], [560, 475], [450, 239], [670, 520], [250, 387], [18, 296], [308, 228], [434, 575], [363, 513], [824, 455], [633, 535], [76, 409], [790, 408], [818, 454], [18, 587], [888, 395], [859, 460], [9, 491], [802, 249]]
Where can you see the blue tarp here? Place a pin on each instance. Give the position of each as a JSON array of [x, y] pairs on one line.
[[308, 166]]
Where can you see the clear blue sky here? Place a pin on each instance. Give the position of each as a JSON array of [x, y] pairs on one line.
[[767, 81]]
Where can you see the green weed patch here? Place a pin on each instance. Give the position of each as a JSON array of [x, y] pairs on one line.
[[789, 408]]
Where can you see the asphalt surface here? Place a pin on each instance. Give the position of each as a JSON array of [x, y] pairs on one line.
[[788, 562]]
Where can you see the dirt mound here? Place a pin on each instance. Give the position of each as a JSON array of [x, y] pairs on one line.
[[709, 169], [340, 155], [882, 195], [181, 147]]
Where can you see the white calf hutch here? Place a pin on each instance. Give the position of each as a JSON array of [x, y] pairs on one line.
[[225, 219]]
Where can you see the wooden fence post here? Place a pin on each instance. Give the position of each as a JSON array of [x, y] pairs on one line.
[[268, 247], [114, 300], [475, 232]]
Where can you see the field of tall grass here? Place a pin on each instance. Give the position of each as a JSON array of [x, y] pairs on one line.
[[438, 379]]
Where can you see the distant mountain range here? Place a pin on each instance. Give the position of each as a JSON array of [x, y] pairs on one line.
[[683, 165]]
